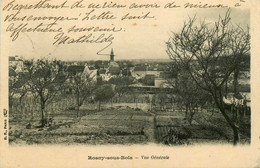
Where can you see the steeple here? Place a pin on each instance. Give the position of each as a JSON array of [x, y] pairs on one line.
[[112, 55]]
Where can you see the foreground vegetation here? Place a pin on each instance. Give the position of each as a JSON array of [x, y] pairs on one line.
[[125, 125]]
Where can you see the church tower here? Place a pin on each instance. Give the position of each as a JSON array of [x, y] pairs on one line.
[[112, 55]]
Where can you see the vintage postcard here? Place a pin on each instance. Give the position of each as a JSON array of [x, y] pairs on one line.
[[116, 83]]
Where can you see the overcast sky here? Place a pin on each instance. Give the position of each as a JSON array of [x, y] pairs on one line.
[[141, 39]]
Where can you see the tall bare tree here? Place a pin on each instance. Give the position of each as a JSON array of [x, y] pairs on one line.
[[82, 85], [103, 93], [45, 80], [210, 54]]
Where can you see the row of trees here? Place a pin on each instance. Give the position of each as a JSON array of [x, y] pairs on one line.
[[49, 81], [208, 55]]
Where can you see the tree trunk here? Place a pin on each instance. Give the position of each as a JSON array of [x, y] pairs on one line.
[[226, 89], [78, 103], [78, 111], [220, 104], [236, 73], [192, 112], [99, 105], [233, 126], [233, 111], [236, 135], [43, 121], [186, 111], [43, 118], [150, 104], [244, 111], [237, 113]]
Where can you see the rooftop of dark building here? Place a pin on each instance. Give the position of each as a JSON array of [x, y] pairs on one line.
[[140, 68], [76, 68]]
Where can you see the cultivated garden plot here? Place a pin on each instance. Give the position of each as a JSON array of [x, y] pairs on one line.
[[107, 127], [128, 126]]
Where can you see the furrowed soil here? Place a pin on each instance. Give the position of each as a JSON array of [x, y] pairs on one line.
[[125, 125]]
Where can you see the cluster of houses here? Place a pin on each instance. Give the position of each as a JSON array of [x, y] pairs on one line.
[[155, 76], [149, 77], [104, 71]]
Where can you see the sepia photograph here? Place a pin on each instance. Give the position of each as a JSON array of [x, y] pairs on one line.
[[194, 90], [103, 83]]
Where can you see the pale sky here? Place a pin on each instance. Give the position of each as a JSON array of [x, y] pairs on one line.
[[140, 40]]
